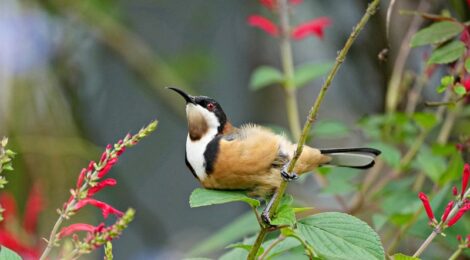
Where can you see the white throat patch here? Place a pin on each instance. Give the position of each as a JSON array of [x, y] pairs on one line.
[[195, 149]]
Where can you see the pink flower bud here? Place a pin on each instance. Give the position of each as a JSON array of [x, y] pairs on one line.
[[459, 238], [455, 192], [104, 155], [109, 147], [91, 166], [427, 206], [81, 177]]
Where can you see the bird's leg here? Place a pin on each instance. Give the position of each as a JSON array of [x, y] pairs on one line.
[[286, 175], [265, 215]]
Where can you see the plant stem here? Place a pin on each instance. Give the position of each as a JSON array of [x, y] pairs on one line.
[[427, 242], [259, 240], [279, 239], [51, 241], [288, 68], [456, 254], [314, 109]]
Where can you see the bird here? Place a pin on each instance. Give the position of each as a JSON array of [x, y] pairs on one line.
[[251, 157]]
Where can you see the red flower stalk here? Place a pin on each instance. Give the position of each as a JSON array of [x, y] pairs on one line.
[[459, 214], [106, 209], [466, 175], [447, 211], [105, 183], [313, 27], [67, 231], [455, 192], [427, 206], [264, 24]]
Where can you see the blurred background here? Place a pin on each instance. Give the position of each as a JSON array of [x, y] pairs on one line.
[[77, 75]]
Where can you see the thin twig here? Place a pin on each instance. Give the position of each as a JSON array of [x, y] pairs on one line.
[[314, 110], [278, 240]]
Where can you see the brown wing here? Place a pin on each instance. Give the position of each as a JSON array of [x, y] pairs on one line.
[[244, 160]]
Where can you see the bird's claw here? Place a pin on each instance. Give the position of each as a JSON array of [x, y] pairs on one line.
[[288, 177], [266, 218]]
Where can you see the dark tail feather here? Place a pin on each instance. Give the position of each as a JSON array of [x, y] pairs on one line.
[[360, 158]]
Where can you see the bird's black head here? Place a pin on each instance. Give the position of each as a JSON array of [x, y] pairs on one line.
[[204, 114]]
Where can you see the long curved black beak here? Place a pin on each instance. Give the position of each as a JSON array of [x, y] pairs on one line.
[[186, 96]]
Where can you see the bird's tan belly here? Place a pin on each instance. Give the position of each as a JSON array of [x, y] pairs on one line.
[[261, 184]]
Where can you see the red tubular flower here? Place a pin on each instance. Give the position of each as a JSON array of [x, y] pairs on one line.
[[25, 251], [34, 206], [8, 203], [111, 162], [459, 214], [106, 209], [447, 211], [67, 231], [427, 206], [264, 24], [105, 183], [313, 27], [466, 175]]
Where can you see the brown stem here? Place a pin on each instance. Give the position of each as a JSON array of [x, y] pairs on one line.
[[315, 108]]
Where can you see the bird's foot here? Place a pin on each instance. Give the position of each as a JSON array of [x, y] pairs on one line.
[[266, 218], [288, 176]]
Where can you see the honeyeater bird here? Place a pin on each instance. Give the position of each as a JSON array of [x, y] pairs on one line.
[[250, 157]]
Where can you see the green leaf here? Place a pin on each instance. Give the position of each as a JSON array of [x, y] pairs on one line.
[[310, 71], [467, 65], [340, 181], [425, 120], [431, 164], [336, 235], [204, 197], [446, 81], [265, 76], [241, 227], [330, 129], [400, 256], [8, 254], [285, 214], [390, 154], [243, 246], [436, 33], [460, 90], [447, 53], [286, 245], [454, 169]]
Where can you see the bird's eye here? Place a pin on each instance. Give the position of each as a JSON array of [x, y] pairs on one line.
[[210, 106]]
